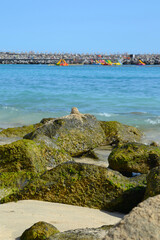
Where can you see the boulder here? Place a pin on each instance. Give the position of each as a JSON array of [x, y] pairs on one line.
[[153, 183], [85, 185], [143, 222], [39, 231], [19, 131], [21, 155], [29, 156], [76, 133], [134, 157], [119, 133]]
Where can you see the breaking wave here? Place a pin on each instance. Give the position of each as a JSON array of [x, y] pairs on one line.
[[106, 114], [2, 107], [153, 122]]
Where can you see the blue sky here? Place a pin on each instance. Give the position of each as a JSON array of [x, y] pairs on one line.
[[80, 26]]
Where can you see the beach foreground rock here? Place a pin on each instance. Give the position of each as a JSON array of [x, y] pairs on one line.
[[39, 231], [82, 234], [143, 222], [85, 185], [134, 157]]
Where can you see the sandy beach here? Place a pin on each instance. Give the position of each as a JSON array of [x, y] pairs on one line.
[[18, 216]]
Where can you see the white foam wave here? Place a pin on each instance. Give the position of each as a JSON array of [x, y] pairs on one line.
[[105, 114], [10, 108], [153, 122]]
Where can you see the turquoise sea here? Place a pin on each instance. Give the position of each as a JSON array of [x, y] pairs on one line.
[[128, 94]]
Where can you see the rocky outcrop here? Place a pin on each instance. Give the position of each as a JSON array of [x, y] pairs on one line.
[[119, 133], [76, 133], [19, 131], [29, 156], [143, 222], [39, 231], [134, 157], [85, 185], [153, 183]]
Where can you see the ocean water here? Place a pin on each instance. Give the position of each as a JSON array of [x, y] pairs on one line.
[[128, 94]]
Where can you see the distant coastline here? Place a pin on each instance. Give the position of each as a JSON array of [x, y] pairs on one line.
[[53, 58]]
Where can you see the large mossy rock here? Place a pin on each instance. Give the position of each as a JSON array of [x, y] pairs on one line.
[[19, 131], [21, 155], [119, 133], [153, 183], [134, 157], [85, 185], [143, 222], [75, 133], [29, 156], [39, 231]]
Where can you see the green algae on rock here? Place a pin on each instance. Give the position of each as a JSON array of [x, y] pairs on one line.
[[39, 231], [19, 131], [75, 133], [30, 156], [134, 157], [153, 183], [21, 155], [119, 133], [11, 182], [84, 185]]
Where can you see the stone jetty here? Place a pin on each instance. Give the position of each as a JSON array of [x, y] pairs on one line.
[[83, 58]]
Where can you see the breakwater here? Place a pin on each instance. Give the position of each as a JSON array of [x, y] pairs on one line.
[[53, 58]]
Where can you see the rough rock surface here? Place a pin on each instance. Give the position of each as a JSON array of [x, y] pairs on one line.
[[82, 234], [119, 133], [153, 183], [39, 231], [85, 185], [76, 133], [143, 222], [45, 120], [134, 157]]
